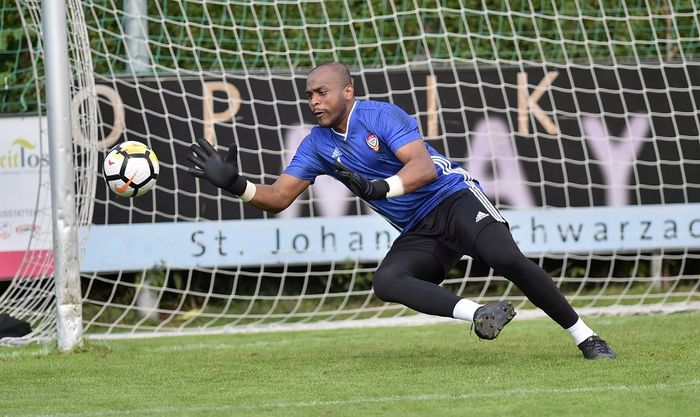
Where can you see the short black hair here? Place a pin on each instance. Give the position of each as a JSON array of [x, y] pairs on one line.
[[339, 68]]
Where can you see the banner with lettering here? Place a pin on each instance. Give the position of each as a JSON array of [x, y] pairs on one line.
[[560, 136], [233, 243], [599, 146], [21, 158]]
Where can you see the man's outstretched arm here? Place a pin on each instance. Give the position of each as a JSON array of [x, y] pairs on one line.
[[280, 194], [223, 172]]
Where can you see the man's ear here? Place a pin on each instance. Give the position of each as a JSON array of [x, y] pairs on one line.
[[349, 92]]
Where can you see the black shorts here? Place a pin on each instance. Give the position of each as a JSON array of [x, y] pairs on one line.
[[447, 233]]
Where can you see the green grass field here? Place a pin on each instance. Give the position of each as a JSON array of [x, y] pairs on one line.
[[533, 369]]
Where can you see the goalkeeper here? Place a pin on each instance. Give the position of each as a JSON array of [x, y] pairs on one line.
[[376, 150]]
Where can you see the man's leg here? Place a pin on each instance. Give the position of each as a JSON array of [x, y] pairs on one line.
[[495, 247], [475, 226], [410, 274]]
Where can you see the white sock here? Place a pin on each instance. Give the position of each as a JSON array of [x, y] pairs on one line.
[[465, 309], [580, 331]]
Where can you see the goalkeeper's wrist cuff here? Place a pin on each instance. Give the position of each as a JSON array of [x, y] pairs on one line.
[[244, 189], [249, 192], [395, 186]]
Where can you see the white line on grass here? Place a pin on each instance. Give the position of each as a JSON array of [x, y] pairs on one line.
[[183, 347], [235, 345], [390, 399], [238, 345]]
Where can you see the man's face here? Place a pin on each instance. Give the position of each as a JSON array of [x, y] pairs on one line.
[[329, 98]]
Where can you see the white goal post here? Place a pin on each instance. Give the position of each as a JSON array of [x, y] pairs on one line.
[[581, 120]]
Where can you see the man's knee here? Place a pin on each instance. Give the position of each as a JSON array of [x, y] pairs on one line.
[[384, 282]]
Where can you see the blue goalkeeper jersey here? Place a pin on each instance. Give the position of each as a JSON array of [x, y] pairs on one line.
[[375, 131]]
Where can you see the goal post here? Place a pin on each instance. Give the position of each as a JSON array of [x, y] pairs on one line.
[[66, 269], [580, 119]]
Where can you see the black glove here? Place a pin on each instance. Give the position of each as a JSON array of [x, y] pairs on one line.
[[366, 190], [209, 164]]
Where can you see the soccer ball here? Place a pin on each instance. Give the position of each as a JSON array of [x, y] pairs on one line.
[[130, 169]]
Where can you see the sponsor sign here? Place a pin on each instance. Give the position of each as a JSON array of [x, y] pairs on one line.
[[23, 154], [590, 143], [569, 136], [233, 243]]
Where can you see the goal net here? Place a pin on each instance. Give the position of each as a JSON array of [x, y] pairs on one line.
[[581, 120]]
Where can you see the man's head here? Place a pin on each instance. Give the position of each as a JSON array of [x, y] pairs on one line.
[[331, 94]]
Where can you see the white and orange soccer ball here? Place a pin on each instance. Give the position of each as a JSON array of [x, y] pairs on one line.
[[130, 169]]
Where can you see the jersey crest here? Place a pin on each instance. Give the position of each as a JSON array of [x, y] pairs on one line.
[[373, 142]]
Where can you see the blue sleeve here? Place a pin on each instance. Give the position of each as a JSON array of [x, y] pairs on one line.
[[305, 164], [397, 128]]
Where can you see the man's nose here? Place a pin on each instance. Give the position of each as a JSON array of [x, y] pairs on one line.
[[314, 100]]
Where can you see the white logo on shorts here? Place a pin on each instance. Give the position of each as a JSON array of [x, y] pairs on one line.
[[480, 216]]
